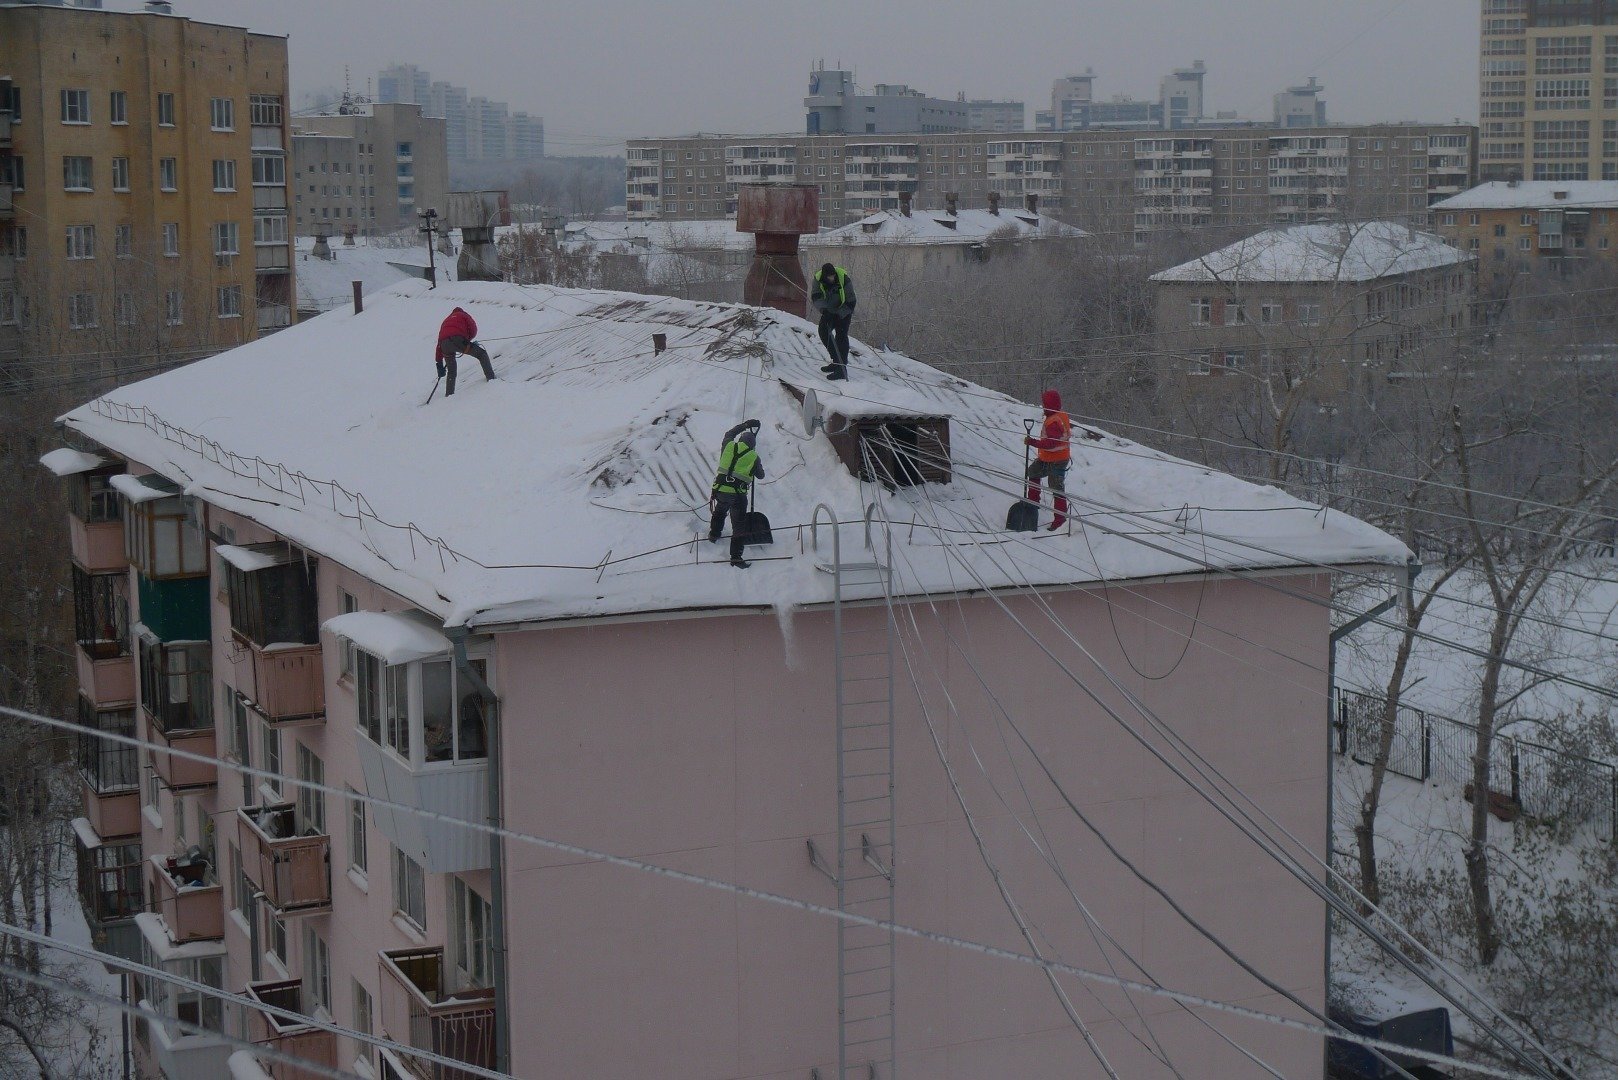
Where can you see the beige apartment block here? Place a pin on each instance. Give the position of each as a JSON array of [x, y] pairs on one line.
[[368, 168], [143, 201], [1549, 90], [1517, 227], [1125, 184]]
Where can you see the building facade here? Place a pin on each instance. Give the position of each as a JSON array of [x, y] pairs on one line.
[[835, 106], [1549, 94], [1513, 227], [984, 115], [476, 129], [1103, 180], [370, 167], [311, 641], [143, 189]]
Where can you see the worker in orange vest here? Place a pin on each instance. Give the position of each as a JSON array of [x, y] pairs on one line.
[[1053, 446]]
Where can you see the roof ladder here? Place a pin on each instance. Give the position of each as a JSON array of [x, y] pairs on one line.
[[865, 820]]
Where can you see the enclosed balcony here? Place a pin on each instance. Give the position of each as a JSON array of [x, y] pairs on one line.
[[95, 511], [176, 693], [186, 892], [110, 771], [300, 1040], [101, 628], [289, 864], [418, 1009], [174, 1050], [273, 623], [109, 890]]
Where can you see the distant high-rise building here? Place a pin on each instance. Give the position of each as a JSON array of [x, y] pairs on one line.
[[368, 167], [1545, 113], [1300, 106], [477, 129], [984, 115], [1179, 104], [835, 106], [1180, 95]]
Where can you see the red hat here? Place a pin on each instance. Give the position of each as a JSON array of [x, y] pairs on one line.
[[1052, 401]]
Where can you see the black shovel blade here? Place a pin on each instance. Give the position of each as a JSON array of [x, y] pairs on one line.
[[756, 529], [1022, 517]]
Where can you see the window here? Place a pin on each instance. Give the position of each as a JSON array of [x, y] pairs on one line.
[[471, 946], [165, 110], [13, 306], [404, 149], [123, 241], [81, 241], [275, 934], [269, 229], [173, 308], [224, 174], [118, 107], [1309, 314], [362, 1009], [230, 301], [75, 106], [120, 174], [242, 886], [171, 239], [1201, 312], [358, 856], [264, 110], [1525, 243], [1499, 230], [1235, 313], [123, 309], [227, 238], [345, 605], [111, 877], [76, 173], [269, 741], [194, 1007], [14, 241], [269, 169], [81, 311], [168, 174], [1235, 360], [409, 889], [316, 971], [176, 683], [12, 172], [310, 808], [222, 114], [368, 694], [1269, 312]]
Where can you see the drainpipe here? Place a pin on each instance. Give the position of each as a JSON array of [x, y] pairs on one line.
[[1412, 572], [497, 875]]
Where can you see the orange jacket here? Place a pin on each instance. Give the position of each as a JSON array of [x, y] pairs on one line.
[[1054, 440]]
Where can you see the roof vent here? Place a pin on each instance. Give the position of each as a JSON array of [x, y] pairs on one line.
[[904, 203], [159, 7], [994, 203], [950, 198]]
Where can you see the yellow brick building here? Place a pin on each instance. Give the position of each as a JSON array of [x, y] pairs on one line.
[[143, 191]]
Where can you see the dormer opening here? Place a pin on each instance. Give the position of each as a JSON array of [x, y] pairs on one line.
[[895, 451]]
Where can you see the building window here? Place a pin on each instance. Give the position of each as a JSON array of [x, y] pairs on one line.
[[13, 173], [409, 889], [222, 114], [75, 106], [168, 174], [1309, 314], [123, 309], [120, 174], [268, 229], [81, 311], [165, 110], [171, 239], [227, 238], [123, 241], [347, 604], [310, 810], [471, 946], [76, 173], [362, 1009], [1269, 312], [224, 175], [275, 933], [1235, 313], [118, 107], [264, 110], [173, 308], [316, 970], [269, 169], [230, 301], [81, 241], [269, 741], [13, 306], [14, 242], [358, 856], [404, 149], [1201, 312]]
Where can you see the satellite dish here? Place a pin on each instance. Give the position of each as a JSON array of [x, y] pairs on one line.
[[812, 411]]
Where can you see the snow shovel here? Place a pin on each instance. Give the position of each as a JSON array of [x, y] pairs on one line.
[[755, 526], [1023, 515], [429, 400]]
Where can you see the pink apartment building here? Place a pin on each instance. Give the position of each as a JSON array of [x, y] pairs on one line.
[[498, 606]]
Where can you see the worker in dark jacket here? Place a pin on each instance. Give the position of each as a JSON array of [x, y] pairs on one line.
[[739, 466], [833, 296], [455, 336], [1053, 451]]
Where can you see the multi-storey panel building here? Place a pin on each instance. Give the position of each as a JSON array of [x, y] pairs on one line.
[[1517, 226], [1111, 181], [143, 190], [369, 167], [477, 129]]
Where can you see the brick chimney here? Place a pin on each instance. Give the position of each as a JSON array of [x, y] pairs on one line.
[[1032, 202], [777, 215], [904, 203], [994, 203], [950, 198]]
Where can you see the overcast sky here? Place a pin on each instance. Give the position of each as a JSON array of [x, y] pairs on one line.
[[599, 71]]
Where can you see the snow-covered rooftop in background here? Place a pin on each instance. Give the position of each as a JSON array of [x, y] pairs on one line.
[[1534, 195], [939, 227], [576, 484], [711, 234], [1322, 253], [324, 284]]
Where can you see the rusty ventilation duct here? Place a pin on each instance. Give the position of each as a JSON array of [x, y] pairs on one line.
[[1033, 202], [777, 215], [994, 203], [951, 200], [904, 203]]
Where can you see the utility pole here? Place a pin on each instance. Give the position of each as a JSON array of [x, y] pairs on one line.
[[429, 225]]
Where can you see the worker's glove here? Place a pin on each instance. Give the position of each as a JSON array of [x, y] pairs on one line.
[[844, 312], [1030, 441], [440, 368]]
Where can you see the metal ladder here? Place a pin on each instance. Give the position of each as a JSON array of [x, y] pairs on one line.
[[865, 818]]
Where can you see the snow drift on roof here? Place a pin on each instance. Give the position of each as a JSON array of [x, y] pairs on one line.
[[577, 484], [392, 637], [143, 489], [1534, 195], [1317, 253], [938, 227], [249, 559], [66, 461]]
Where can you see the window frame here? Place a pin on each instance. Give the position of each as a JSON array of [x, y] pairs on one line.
[[404, 732], [222, 114], [409, 890], [78, 173], [118, 107], [165, 109], [75, 101]]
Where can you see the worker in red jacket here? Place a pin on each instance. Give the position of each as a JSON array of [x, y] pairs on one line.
[[1053, 446], [454, 337]]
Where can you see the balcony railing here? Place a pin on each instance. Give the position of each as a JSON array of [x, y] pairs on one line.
[[105, 677], [293, 872], [189, 899], [288, 681], [299, 1040], [417, 1011], [178, 773], [97, 546]]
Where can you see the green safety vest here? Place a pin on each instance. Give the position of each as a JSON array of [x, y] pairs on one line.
[[842, 286], [736, 464]]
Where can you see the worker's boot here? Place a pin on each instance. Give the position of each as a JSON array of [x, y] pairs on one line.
[[740, 563], [1061, 514]]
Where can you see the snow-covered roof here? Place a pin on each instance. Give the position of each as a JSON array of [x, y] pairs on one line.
[[576, 485], [938, 227], [718, 233], [324, 284], [1321, 253], [1534, 195]]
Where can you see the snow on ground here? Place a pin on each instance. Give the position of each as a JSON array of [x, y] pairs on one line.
[[325, 284], [576, 484]]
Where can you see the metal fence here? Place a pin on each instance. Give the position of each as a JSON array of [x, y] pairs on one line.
[[1547, 784]]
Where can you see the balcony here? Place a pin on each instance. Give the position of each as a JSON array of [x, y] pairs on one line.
[[189, 898], [97, 546], [105, 677], [183, 774], [293, 871], [312, 1044], [285, 682], [452, 791], [109, 890], [417, 1011]]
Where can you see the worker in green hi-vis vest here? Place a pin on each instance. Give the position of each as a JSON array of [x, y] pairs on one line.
[[739, 466], [833, 296]]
